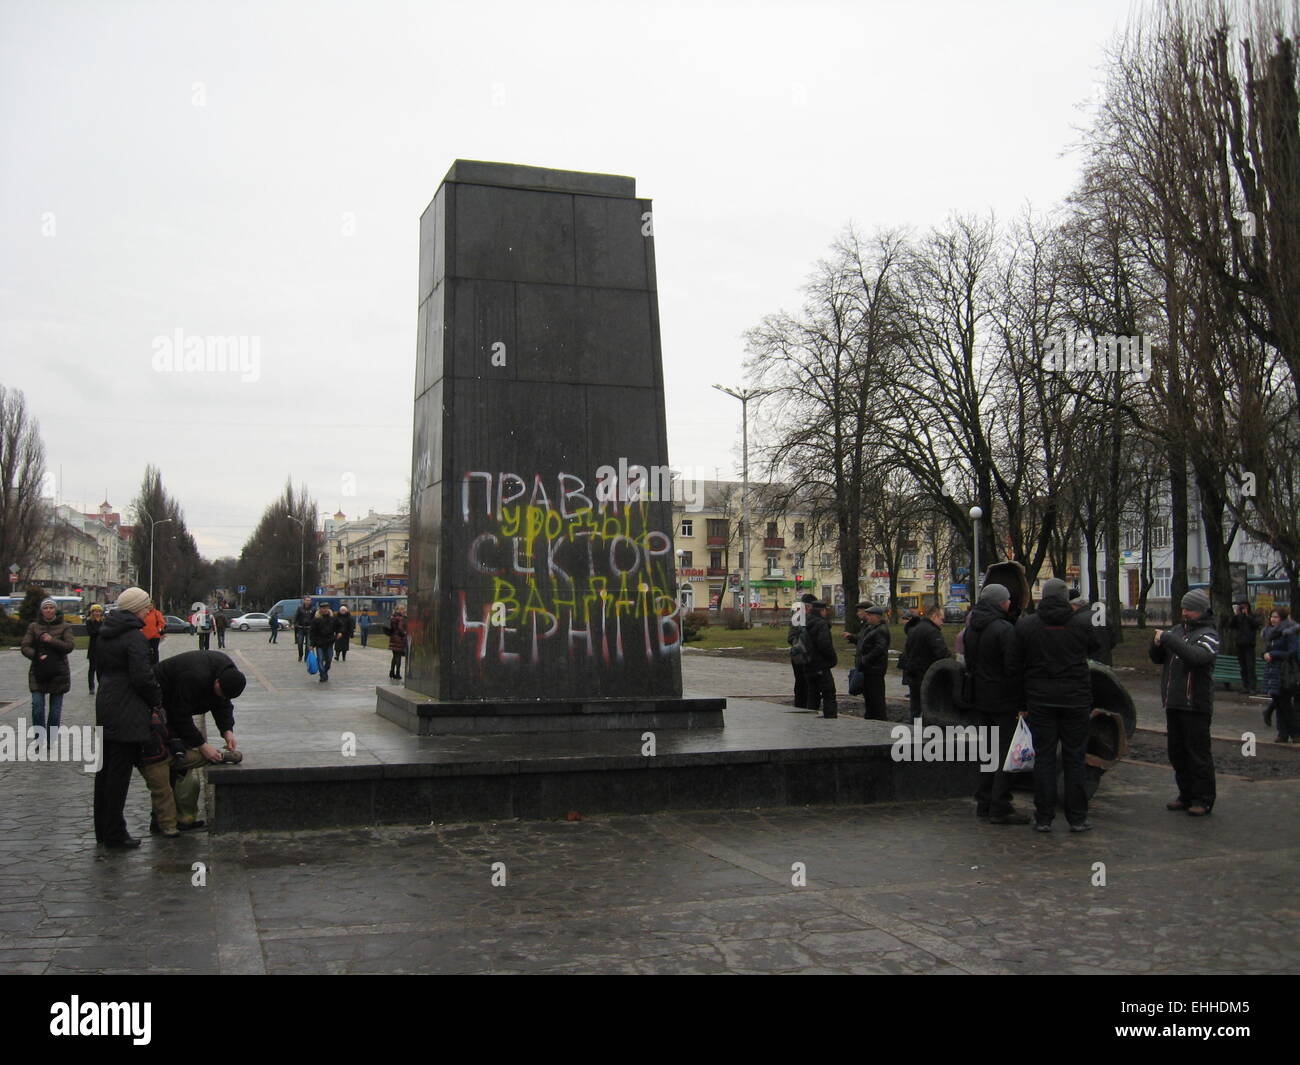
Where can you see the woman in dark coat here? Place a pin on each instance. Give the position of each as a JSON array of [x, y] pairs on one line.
[[347, 625], [93, 624], [128, 693], [396, 629], [48, 643], [1281, 641]]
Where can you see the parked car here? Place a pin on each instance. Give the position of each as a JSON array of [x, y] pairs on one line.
[[175, 624], [954, 610], [256, 620]]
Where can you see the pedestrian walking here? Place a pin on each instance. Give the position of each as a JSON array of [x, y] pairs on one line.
[[1242, 629], [48, 642], [364, 626], [990, 651], [347, 625], [819, 682], [302, 619], [800, 669], [396, 630], [923, 647], [154, 624], [128, 693], [1050, 656], [871, 658], [223, 623], [275, 626], [324, 631], [1281, 642], [94, 622], [1186, 654], [203, 625]]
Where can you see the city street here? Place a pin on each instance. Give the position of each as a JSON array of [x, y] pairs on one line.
[[893, 888]]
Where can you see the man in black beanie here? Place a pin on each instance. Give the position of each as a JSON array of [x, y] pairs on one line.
[[990, 649], [1187, 653], [1052, 648]]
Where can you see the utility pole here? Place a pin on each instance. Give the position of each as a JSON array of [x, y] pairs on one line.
[[744, 395]]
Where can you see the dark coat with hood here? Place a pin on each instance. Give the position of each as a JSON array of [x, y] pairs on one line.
[[872, 656], [396, 629], [1280, 641], [127, 688], [1052, 648], [990, 649], [59, 645], [186, 682], [347, 627], [820, 642], [1187, 652], [924, 647]]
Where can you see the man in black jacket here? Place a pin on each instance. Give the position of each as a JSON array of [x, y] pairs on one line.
[[1244, 625], [1187, 654], [990, 649], [820, 683], [872, 659], [302, 620], [194, 684], [1051, 654], [800, 671], [924, 647]]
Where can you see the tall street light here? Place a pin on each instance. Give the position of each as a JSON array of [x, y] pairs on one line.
[[153, 525], [302, 536], [744, 395], [975, 514]]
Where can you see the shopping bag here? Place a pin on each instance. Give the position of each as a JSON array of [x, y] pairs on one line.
[[857, 681], [312, 664], [1020, 755], [186, 791]]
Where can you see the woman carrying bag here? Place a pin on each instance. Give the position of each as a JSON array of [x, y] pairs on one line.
[[48, 643]]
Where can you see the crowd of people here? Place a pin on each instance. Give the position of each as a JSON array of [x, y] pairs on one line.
[[328, 634], [1035, 667]]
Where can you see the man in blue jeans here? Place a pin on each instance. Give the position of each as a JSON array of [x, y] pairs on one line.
[[1050, 654]]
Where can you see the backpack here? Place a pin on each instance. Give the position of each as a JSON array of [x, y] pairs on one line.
[[800, 646]]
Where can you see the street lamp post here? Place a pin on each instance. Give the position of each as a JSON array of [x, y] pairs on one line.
[[302, 536], [153, 525], [975, 514], [744, 395]]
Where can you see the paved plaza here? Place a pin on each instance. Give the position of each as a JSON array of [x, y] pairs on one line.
[[915, 887]]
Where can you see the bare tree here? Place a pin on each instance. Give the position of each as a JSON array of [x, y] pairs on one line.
[[24, 508]]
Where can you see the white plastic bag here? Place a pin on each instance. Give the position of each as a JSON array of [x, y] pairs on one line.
[[1020, 755]]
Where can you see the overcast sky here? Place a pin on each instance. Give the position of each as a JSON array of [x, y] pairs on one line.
[[259, 169]]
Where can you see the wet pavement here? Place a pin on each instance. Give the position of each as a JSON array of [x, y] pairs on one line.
[[916, 887]]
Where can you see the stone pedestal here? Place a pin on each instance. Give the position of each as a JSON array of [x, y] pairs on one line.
[[542, 566]]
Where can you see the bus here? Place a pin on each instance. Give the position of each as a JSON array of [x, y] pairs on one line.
[[379, 607], [69, 604]]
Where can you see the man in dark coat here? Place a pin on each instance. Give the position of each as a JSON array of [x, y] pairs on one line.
[[820, 684], [302, 619], [871, 659], [1187, 653], [127, 694], [324, 631], [923, 647], [1243, 625], [1051, 653], [800, 670], [990, 647]]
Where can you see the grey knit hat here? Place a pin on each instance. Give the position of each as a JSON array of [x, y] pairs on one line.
[[1054, 588], [133, 599], [1196, 600], [47, 601], [995, 594]]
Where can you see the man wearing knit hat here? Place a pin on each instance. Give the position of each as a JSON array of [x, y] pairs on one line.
[[1051, 654], [1186, 654], [193, 684], [800, 670], [872, 658], [990, 646]]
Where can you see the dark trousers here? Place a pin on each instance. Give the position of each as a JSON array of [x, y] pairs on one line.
[[221, 638], [275, 632], [153, 649], [913, 699], [1189, 754], [1246, 659], [300, 637], [395, 667], [800, 687], [1050, 726], [873, 697], [993, 796], [112, 782], [365, 635], [1288, 716], [205, 641], [821, 692]]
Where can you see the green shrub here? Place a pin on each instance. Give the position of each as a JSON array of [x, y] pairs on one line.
[[693, 626]]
